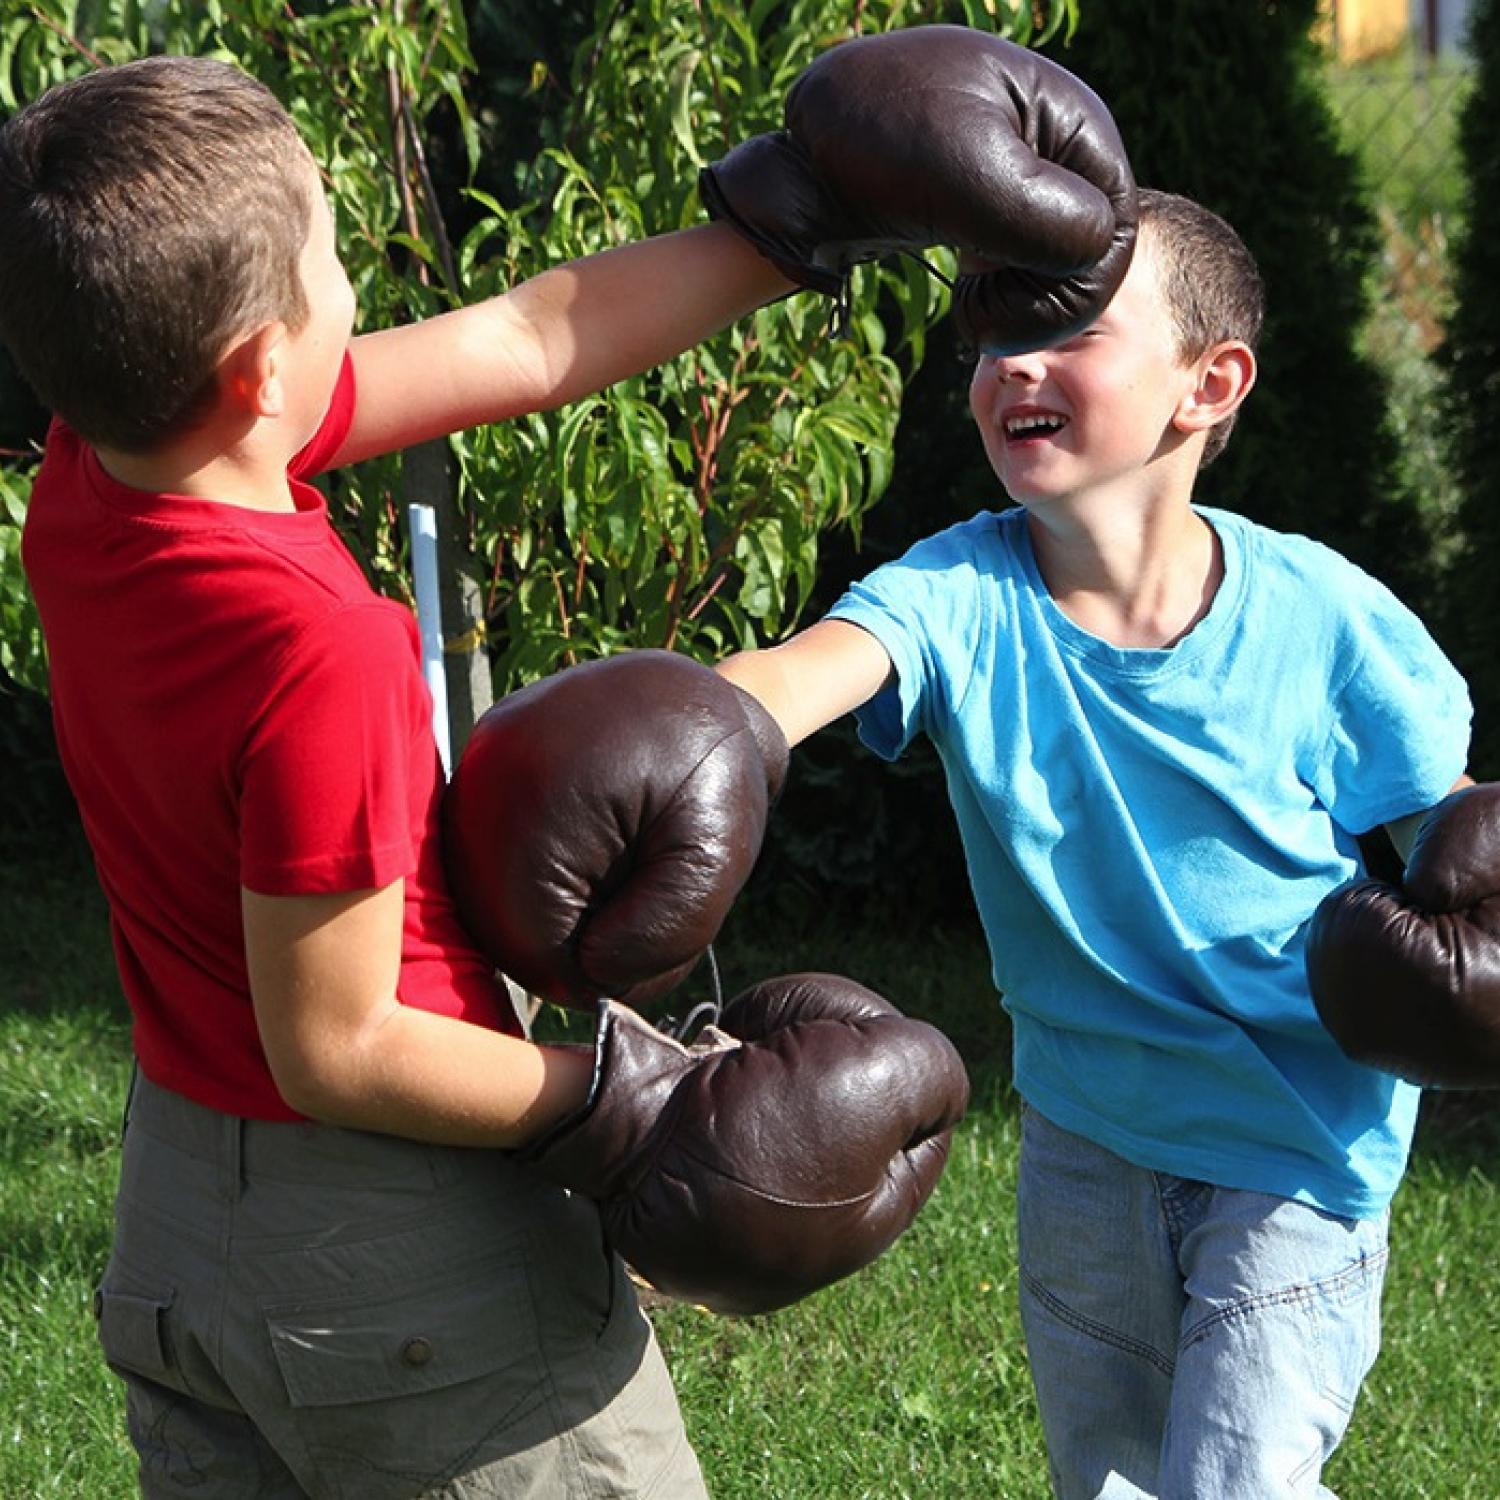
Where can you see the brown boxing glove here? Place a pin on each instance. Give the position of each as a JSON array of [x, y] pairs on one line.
[[601, 822], [790, 1146], [943, 135], [1407, 978]]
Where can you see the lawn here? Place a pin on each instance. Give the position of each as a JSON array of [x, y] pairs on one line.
[[908, 1380]]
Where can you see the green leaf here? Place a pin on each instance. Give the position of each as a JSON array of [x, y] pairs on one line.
[[681, 88]]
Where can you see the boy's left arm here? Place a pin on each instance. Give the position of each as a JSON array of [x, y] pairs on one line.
[[1403, 831], [1406, 975], [561, 335]]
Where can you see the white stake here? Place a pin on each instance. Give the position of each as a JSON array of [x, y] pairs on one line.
[[423, 522]]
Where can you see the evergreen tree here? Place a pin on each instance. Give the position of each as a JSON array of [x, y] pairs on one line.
[[1223, 100], [1471, 361]]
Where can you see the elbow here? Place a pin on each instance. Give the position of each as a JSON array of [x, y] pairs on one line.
[[322, 1084], [306, 1090]]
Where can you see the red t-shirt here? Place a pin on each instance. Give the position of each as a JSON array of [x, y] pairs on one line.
[[236, 707]]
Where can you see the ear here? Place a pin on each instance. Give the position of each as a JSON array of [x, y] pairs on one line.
[[250, 373], [1225, 375]]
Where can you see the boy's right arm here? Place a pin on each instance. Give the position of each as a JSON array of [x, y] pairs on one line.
[[344, 1050], [822, 673], [567, 332], [997, 151]]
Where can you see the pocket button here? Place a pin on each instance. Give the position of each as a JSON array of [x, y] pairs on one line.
[[417, 1352]]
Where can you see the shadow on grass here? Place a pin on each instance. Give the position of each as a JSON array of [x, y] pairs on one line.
[[1461, 1129], [47, 1242], [55, 952]]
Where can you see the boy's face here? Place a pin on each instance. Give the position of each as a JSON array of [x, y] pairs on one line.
[[1066, 421], [316, 351]]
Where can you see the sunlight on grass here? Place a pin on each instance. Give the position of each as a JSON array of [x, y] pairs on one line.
[[907, 1381]]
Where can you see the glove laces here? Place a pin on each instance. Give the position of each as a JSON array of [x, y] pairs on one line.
[[704, 1013], [840, 318]]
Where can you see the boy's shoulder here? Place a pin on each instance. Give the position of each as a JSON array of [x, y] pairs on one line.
[[1298, 559], [981, 538]]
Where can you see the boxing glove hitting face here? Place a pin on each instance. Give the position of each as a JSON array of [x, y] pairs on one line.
[[601, 821], [944, 135], [1407, 978], [788, 1148]]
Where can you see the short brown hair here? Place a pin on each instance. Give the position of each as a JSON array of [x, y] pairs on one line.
[[151, 212], [1209, 281]]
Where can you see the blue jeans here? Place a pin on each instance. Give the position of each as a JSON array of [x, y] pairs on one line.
[[1187, 1341]]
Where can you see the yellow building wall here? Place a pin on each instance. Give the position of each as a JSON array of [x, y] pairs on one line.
[[1357, 29]]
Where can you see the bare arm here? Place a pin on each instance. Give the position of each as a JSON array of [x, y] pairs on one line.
[[344, 1050], [563, 334], [1403, 831], [819, 675]]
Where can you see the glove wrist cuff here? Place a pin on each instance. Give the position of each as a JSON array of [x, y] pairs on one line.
[[599, 1148]]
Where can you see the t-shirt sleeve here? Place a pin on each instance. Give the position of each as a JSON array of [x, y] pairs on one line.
[[329, 437], [327, 774], [1399, 737], [920, 609]]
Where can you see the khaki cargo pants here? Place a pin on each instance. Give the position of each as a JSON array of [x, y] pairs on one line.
[[302, 1311]]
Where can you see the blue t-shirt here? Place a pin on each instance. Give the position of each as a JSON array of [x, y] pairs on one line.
[[1148, 833]]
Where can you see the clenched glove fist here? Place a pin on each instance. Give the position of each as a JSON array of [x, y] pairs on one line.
[[790, 1146], [1407, 978], [943, 135], [601, 822]]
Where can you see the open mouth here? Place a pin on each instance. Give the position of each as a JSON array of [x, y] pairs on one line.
[[1026, 425]]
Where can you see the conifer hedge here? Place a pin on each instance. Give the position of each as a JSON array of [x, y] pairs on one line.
[[1472, 408], [1223, 100]]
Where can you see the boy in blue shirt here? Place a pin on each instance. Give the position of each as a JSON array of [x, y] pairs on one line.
[[1162, 728]]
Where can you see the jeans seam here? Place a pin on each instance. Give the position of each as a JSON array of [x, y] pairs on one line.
[[1105, 1335], [1300, 1294]]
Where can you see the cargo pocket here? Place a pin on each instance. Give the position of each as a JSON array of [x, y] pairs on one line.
[[174, 1447], [393, 1388], [133, 1333]]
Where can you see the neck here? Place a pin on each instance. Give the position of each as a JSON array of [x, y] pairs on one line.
[[1135, 576], [207, 465]]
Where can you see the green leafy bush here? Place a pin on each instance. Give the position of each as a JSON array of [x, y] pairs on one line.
[[681, 509]]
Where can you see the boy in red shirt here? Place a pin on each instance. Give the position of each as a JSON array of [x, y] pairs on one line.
[[245, 728], [314, 1288]]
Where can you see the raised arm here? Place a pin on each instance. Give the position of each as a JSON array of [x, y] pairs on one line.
[[934, 135], [561, 335]]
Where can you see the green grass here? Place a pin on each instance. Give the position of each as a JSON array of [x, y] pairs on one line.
[[908, 1380]]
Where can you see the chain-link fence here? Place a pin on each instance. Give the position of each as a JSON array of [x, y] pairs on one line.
[[1399, 115]]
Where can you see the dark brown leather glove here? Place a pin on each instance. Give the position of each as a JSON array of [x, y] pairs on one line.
[[787, 1148], [1408, 978], [601, 822], [944, 135]]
